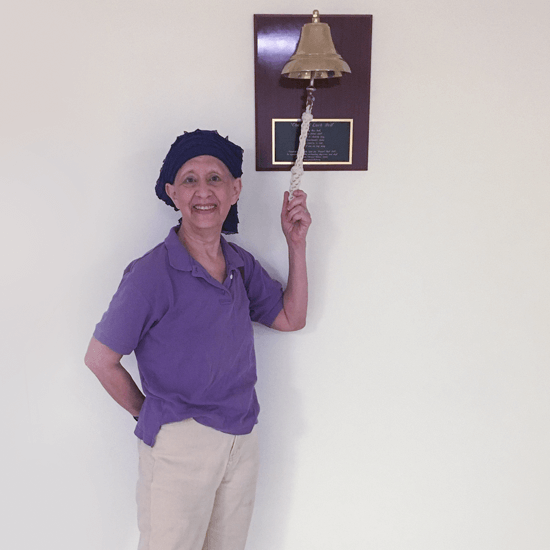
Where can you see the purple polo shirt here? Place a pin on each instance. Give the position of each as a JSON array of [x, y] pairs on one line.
[[192, 335]]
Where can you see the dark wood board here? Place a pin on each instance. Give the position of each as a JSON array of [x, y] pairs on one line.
[[279, 97]]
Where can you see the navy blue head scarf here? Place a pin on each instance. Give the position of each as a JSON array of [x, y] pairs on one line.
[[195, 144]]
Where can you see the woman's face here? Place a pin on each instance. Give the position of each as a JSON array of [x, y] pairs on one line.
[[203, 191]]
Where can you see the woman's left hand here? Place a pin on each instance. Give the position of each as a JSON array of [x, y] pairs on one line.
[[295, 218]]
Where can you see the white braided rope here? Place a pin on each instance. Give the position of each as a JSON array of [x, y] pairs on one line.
[[298, 168]]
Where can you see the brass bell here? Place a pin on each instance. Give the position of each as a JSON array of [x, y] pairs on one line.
[[315, 56]]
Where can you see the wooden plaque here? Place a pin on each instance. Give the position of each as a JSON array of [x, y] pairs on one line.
[[339, 134]]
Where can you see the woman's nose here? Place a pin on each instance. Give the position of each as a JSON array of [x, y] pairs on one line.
[[203, 188]]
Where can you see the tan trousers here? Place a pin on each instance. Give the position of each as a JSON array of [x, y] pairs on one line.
[[196, 488]]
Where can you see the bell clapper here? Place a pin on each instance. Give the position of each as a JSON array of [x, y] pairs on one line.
[[310, 91]]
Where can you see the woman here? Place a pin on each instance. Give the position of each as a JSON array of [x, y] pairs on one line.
[[186, 309]]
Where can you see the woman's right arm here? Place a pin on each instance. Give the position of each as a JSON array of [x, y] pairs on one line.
[[105, 364]]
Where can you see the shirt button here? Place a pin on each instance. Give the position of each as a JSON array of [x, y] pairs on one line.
[[231, 276]]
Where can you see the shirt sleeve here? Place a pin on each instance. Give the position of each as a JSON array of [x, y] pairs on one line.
[[128, 317], [264, 293]]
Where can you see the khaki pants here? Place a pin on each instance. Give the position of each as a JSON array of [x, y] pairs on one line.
[[196, 488]]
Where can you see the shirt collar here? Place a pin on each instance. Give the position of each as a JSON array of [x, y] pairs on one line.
[[178, 256], [232, 258], [180, 259]]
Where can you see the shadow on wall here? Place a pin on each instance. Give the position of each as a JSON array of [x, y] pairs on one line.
[[281, 425]]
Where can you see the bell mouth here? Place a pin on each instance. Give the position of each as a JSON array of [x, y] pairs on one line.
[[308, 75], [313, 65]]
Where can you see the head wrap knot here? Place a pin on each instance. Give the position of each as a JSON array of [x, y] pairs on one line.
[[195, 144]]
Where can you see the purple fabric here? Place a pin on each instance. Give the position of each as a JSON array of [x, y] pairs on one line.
[[192, 336]]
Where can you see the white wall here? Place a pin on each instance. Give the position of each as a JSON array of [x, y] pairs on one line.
[[412, 413]]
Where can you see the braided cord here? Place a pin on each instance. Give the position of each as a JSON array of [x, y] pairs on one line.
[[298, 168]]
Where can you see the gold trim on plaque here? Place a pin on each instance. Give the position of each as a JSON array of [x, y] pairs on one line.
[[289, 163]]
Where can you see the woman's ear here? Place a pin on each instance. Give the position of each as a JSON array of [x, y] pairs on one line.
[[170, 190], [237, 187]]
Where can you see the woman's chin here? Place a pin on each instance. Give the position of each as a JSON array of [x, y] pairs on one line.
[[203, 222]]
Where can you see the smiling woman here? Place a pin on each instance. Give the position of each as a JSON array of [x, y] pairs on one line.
[[186, 309], [203, 191]]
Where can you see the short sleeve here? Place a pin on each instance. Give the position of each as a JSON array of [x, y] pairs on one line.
[[128, 317], [264, 293]]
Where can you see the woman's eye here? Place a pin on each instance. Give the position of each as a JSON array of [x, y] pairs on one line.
[[215, 177], [189, 179]]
